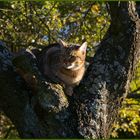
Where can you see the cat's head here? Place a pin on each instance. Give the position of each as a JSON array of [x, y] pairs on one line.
[[73, 56]]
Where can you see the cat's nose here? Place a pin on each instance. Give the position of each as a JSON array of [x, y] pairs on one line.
[[66, 63]]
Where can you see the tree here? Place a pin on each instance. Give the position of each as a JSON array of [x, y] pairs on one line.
[[39, 108]]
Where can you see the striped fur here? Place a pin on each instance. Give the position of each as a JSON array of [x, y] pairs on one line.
[[66, 62]]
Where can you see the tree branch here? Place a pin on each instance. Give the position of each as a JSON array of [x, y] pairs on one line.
[[37, 113], [107, 79], [40, 109]]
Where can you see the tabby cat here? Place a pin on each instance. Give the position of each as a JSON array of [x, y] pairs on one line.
[[64, 62]]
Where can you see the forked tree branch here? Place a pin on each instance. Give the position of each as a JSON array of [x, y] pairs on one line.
[[39, 108]]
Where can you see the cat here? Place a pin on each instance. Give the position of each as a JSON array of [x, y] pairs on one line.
[[64, 62]]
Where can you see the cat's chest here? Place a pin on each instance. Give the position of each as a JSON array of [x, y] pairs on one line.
[[71, 77]]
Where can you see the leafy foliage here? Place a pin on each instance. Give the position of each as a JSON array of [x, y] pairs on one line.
[[7, 129], [128, 125], [32, 23], [39, 23]]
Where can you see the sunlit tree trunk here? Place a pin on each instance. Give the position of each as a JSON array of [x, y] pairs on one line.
[[107, 80], [40, 109]]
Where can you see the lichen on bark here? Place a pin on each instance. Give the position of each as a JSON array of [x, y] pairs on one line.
[[40, 109]]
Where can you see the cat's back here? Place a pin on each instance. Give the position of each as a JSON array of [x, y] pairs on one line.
[[49, 49], [49, 57], [52, 55]]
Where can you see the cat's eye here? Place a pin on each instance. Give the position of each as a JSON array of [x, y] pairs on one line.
[[77, 63], [73, 58]]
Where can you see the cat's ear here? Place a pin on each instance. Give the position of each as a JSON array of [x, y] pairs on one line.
[[62, 43], [83, 47]]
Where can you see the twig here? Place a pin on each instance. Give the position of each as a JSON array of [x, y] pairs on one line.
[[134, 94], [42, 21], [8, 131]]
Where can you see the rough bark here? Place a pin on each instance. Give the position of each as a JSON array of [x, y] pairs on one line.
[[106, 82], [39, 108]]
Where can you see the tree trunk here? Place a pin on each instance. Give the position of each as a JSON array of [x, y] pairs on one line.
[[40, 109], [107, 79]]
